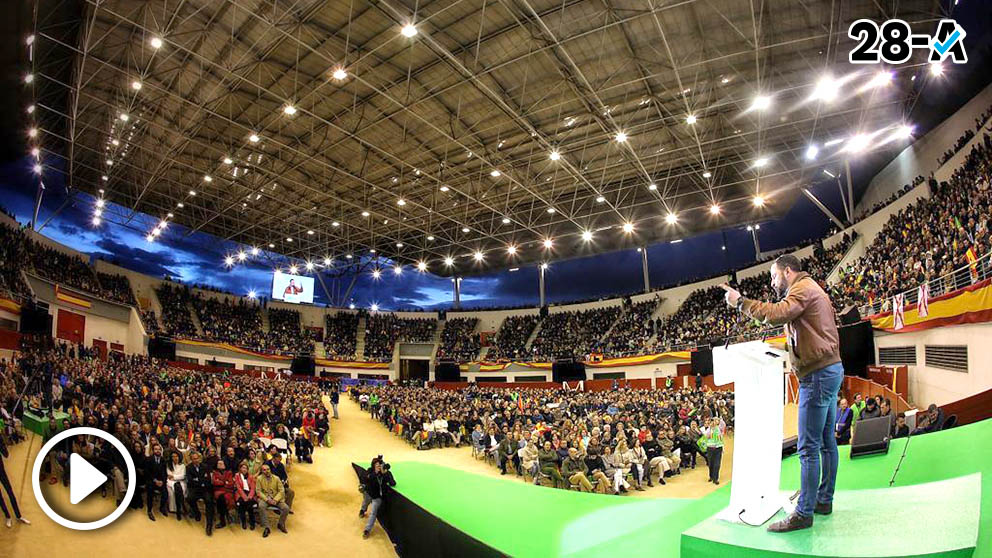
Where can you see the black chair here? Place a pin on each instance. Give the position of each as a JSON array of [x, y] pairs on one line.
[[949, 422]]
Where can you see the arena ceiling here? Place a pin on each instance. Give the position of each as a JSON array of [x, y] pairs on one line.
[[452, 128]]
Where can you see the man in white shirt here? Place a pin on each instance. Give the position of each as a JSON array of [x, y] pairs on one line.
[[441, 431], [427, 436]]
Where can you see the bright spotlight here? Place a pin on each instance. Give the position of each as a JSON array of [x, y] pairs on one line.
[[691, 119], [881, 79], [253, 138], [449, 261], [600, 199], [506, 220], [229, 261], [242, 256], [628, 228], [339, 74], [309, 266], [478, 256], [858, 143], [620, 137], [587, 236], [96, 221], [254, 251], [758, 201], [37, 169], [554, 156], [551, 210], [761, 162], [936, 68], [707, 174], [293, 269], [714, 209], [252, 295], [671, 218], [100, 203], [421, 266], [544, 266], [156, 43], [398, 270], [906, 131], [289, 110], [761, 102], [409, 30], [826, 89], [374, 307], [401, 202], [327, 262], [811, 152], [33, 132], [465, 229], [548, 243], [494, 173], [376, 274], [652, 186], [511, 249], [150, 238]]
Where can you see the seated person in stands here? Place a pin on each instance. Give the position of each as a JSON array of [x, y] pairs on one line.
[[279, 470], [246, 500], [930, 421], [271, 496], [548, 461], [655, 459], [507, 451], [529, 456], [845, 417], [871, 409], [616, 470], [576, 471], [900, 429], [441, 432], [304, 447]]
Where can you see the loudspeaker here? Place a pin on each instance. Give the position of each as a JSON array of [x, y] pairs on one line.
[[568, 371], [871, 436], [702, 360], [162, 347], [447, 372], [790, 446], [35, 320], [849, 315], [303, 366], [857, 348]]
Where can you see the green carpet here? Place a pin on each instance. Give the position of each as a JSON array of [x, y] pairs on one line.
[[527, 521]]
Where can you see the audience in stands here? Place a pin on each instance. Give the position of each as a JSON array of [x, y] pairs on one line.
[[633, 330], [382, 331], [340, 335], [116, 287], [573, 333], [177, 313], [512, 337], [459, 342], [285, 334]]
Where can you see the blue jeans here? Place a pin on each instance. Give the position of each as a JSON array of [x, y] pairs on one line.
[[376, 502], [817, 415]]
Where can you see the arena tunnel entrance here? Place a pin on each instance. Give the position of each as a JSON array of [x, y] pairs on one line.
[[414, 369]]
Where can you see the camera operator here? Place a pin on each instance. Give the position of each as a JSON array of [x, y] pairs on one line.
[[378, 480]]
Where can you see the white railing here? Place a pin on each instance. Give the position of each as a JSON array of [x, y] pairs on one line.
[[950, 282]]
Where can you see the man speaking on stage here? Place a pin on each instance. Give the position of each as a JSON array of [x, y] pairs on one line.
[[811, 332]]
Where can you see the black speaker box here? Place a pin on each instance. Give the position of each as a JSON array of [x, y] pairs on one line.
[[857, 348], [35, 320], [447, 372], [849, 315], [303, 366], [702, 360], [871, 436], [568, 371], [162, 347]]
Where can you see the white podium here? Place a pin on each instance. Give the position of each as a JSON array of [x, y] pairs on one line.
[[757, 372]]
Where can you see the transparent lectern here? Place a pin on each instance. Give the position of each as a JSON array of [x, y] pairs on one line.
[[757, 372]]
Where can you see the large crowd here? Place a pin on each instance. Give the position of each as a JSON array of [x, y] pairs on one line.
[[634, 329], [617, 439], [285, 334], [459, 342], [341, 335], [230, 321], [221, 441], [511, 339], [928, 239], [177, 317], [382, 331], [116, 287], [573, 333]]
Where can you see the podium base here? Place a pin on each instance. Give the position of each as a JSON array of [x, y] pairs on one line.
[[753, 514], [857, 527]]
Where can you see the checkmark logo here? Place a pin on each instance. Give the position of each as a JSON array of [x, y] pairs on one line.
[[942, 48]]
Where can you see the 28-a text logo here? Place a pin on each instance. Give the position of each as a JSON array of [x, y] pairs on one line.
[[893, 42]]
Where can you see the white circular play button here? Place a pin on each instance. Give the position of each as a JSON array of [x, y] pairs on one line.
[[84, 478]]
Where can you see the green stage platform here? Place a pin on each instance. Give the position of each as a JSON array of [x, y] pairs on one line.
[[521, 520]]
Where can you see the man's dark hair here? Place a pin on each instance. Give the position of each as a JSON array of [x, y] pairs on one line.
[[788, 261]]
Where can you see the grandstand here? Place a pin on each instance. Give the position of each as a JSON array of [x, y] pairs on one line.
[[513, 270]]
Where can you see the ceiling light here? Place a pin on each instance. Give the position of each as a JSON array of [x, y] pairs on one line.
[[399, 244], [408, 30], [115, 141], [136, 85], [32, 132], [156, 43], [339, 74], [124, 117], [725, 81], [37, 169], [30, 109], [289, 239], [242, 256], [858, 143], [96, 221], [554, 156], [811, 152], [826, 89], [272, 245], [99, 203], [309, 266], [110, 162], [35, 152], [906, 131], [229, 261], [761, 102], [652, 186], [544, 266], [421, 266], [444, 188], [253, 138], [254, 250], [252, 294], [28, 78], [758, 200], [449, 261], [465, 229], [881, 79], [180, 205], [587, 235], [398, 269], [327, 262], [548, 243], [149, 238], [506, 220], [760, 162], [707, 174], [600, 199], [494, 173], [511, 249], [192, 192], [478, 256], [620, 137], [430, 237], [551, 210], [750, 228], [208, 178], [628, 228], [714, 209], [289, 110], [401, 202], [936, 68], [348, 256], [671, 218], [691, 119], [365, 214]]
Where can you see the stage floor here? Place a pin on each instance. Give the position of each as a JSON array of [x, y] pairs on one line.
[[522, 520]]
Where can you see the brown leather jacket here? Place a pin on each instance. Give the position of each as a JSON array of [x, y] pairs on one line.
[[810, 326]]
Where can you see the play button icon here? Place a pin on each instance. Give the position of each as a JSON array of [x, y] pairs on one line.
[[84, 478]]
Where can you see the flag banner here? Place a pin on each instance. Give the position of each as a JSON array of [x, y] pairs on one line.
[[71, 297], [898, 307], [923, 296], [972, 263]]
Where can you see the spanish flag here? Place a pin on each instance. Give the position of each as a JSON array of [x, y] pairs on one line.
[[71, 298], [972, 263]]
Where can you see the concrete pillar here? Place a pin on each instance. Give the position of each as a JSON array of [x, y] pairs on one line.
[[644, 269], [541, 269]]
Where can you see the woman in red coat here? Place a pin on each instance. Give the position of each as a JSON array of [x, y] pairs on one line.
[[244, 497], [223, 482]]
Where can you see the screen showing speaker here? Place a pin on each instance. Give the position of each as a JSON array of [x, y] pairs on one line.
[[292, 288]]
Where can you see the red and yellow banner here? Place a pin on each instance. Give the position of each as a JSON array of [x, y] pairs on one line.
[[269, 356], [605, 363], [71, 297], [970, 305], [10, 306]]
